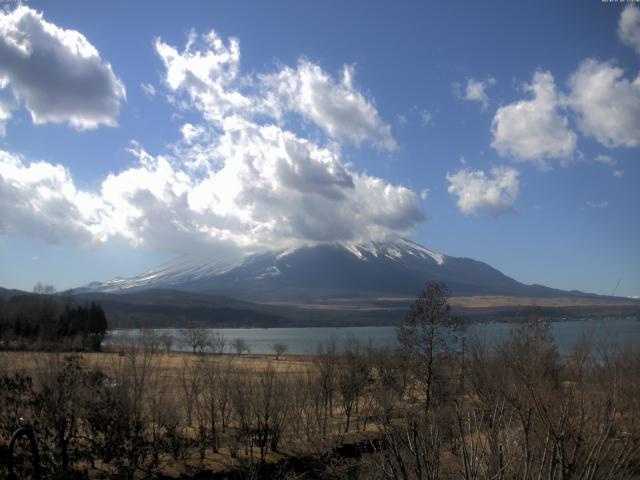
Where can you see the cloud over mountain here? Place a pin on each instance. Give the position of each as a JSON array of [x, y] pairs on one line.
[[240, 177]]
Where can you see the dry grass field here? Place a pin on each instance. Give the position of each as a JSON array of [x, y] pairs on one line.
[[169, 363], [516, 410], [467, 302], [182, 390]]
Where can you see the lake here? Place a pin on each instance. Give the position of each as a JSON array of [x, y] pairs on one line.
[[306, 340]]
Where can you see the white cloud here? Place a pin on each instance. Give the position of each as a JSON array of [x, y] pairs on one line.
[[534, 130], [602, 204], [336, 107], [235, 179], [271, 189], [5, 114], [280, 188], [606, 160], [57, 74], [606, 104], [610, 162], [148, 89], [424, 194], [476, 91], [629, 27], [206, 70], [190, 132], [41, 200], [477, 191], [426, 117]]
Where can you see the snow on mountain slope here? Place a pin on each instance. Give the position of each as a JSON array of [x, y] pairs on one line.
[[193, 269], [171, 274], [398, 267]]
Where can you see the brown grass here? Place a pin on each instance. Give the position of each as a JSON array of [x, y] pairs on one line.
[[29, 362], [477, 301]]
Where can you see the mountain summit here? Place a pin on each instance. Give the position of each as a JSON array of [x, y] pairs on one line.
[[399, 267]]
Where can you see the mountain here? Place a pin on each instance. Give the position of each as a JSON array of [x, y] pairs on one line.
[[7, 293], [324, 285], [394, 268]]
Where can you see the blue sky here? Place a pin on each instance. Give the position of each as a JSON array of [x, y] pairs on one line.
[[508, 132]]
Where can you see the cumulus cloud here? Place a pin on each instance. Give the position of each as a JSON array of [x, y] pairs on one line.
[[190, 132], [57, 74], [206, 71], [629, 27], [607, 105], [495, 193], [273, 189], [41, 200], [534, 130], [238, 178], [336, 107], [475, 91], [280, 188]]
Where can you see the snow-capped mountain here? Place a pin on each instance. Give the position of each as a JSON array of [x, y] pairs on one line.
[[398, 267]]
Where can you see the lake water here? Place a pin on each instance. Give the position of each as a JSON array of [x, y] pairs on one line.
[[306, 340]]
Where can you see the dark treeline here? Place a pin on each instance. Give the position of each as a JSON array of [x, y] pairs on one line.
[[43, 320]]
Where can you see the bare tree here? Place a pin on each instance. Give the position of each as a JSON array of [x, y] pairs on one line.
[[326, 363], [353, 376], [224, 392], [241, 346], [149, 340], [269, 410], [279, 349], [196, 338], [410, 448], [217, 343], [215, 386], [422, 337], [61, 381], [133, 372], [190, 386], [392, 379], [167, 342], [160, 408], [43, 289]]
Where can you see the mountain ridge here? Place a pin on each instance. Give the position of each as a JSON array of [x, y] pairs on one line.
[[399, 267]]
